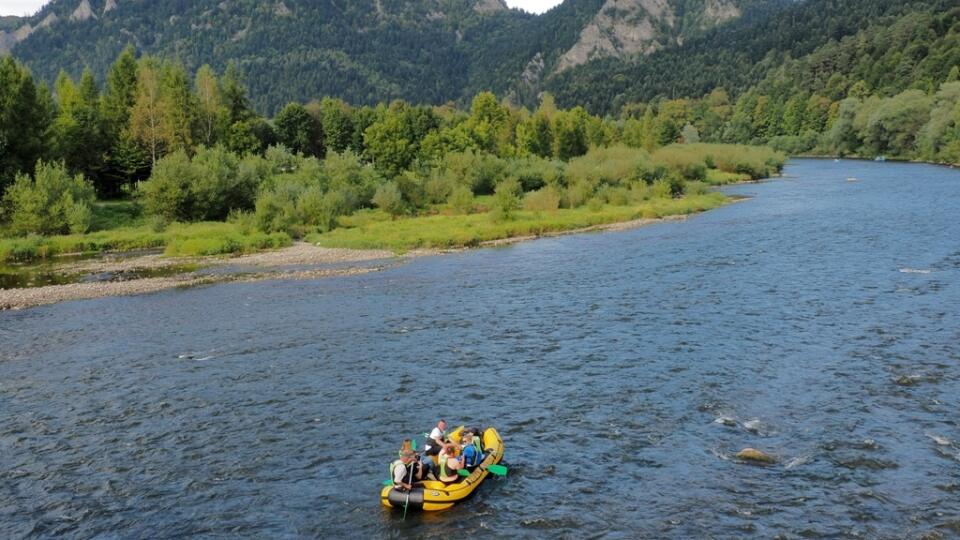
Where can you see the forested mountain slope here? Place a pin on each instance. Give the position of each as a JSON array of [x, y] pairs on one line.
[[428, 51], [734, 56]]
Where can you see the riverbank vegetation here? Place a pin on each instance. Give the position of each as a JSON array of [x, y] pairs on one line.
[[157, 161], [892, 89]]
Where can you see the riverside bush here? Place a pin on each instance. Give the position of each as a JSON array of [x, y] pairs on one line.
[[577, 194], [615, 165], [51, 202], [206, 187], [389, 199], [506, 199], [546, 199], [461, 200]]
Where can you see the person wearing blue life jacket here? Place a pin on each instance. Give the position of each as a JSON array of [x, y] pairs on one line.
[[472, 453]]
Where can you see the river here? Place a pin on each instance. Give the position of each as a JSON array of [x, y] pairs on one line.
[[820, 318]]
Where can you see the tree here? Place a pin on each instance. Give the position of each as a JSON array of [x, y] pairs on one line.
[[393, 142], [52, 202], [178, 109], [534, 137], [569, 139], [297, 130], [148, 125], [126, 160], [893, 127], [486, 123], [690, 135], [211, 114], [79, 132], [120, 93], [26, 113], [842, 136], [337, 120], [233, 94]]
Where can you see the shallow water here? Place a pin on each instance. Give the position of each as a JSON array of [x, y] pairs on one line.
[[29, 276], [819, 317]]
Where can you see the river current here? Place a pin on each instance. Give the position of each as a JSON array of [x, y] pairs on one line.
[[817, 321]]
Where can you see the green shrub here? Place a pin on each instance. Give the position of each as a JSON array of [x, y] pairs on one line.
[[79, 218], [480, 172], [661, 190], [207, 187], [50, 203], [438, 187], [617, 196], [389, 199], [506, 199], [246, 222], [696, 188], [461, 200], [577, 194], [640, 192], [546, 199], [533, 172], [595, 204], [158, 223], [615, 165], [276, 209]]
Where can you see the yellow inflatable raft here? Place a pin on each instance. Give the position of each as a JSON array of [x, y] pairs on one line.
[[432, 495]]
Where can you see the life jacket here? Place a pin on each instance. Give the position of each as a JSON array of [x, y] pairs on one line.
[[444, 473], [407, 469], [471, 460]]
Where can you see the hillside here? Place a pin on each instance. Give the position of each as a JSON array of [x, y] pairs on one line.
[[734, 56], [430, 51]]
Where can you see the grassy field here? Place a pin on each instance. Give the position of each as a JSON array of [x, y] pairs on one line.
[[372, 229], [176, 240]]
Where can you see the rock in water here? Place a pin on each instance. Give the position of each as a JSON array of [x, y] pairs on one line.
[[725, 421], [756, 456]]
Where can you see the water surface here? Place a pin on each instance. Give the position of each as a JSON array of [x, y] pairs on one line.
[[819, 317]]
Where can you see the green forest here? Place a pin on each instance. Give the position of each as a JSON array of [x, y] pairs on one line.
[[186, 149]]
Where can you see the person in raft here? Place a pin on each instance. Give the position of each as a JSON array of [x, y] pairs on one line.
[[424, 467], [436, 439], [472, 454], [404, 471], [449, 464]]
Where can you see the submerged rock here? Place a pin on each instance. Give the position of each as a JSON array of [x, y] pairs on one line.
[[756, 456], [725, 421]]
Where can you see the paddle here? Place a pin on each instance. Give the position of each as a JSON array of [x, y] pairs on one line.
[[405, 506], [498, 470]]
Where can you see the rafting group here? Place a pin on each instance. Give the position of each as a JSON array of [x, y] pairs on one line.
[[452, 465]]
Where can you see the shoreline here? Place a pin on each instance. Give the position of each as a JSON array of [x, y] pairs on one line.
[[298, 262]]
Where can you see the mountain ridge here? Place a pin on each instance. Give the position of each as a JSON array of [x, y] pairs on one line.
[[430, 51]]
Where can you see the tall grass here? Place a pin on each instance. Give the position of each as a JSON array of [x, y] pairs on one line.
[[446, 231], [209, 238], [756, 161]]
